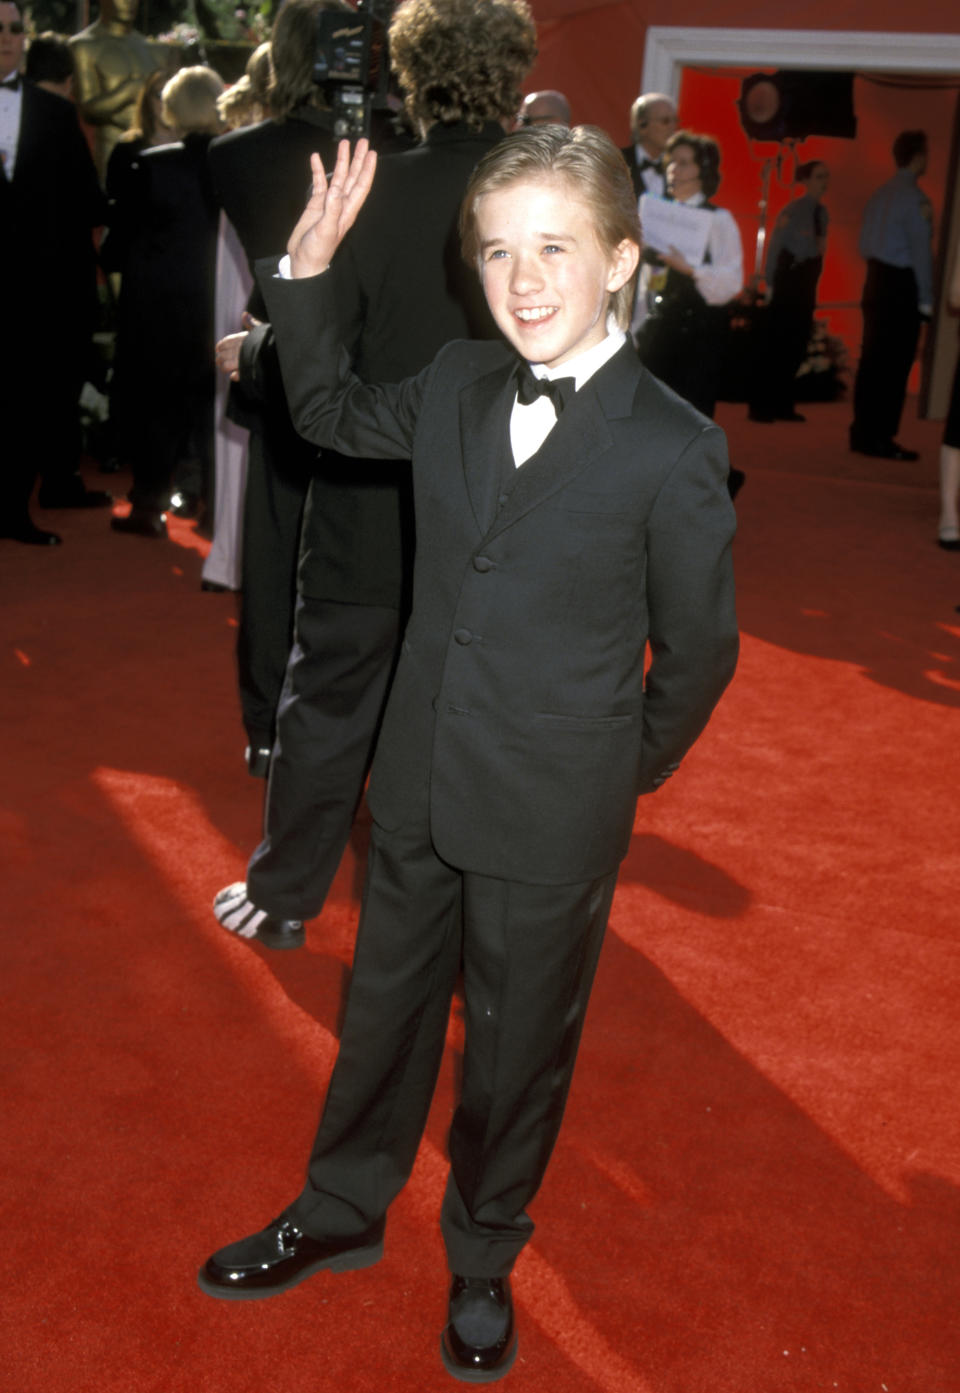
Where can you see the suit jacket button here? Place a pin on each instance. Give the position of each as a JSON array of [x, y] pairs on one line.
[[482, 563], [463, 636]]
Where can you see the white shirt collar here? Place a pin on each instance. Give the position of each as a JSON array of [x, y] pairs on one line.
[[585, 364]]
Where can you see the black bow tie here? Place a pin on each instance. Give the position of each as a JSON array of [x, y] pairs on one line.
[[651, 164], [11, 84], [560, 390]]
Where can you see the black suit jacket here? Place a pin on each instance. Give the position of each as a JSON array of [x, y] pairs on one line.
[[629, 153], [48, 211], [170, 263], [519, 720], [261, 175]]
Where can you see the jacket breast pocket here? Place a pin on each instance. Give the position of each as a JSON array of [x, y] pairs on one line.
[[553, 720]]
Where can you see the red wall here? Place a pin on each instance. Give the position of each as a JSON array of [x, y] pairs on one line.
[[707, 103]]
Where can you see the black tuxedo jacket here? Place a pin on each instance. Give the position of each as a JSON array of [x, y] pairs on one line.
[[519, 721], [629, 153], [261, 175], [48, 211], [170, 263]]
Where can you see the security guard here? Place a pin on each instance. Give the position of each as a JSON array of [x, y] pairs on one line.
[[895, 239]]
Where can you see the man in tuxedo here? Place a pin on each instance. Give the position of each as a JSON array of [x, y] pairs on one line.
[[571, 511], [258, 176], [653, 120], [50, 202], [404, 292]]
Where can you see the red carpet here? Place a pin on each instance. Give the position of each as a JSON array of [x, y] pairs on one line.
[[756, 1188]]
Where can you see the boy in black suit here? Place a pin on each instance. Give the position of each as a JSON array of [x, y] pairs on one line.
[[552, 549]]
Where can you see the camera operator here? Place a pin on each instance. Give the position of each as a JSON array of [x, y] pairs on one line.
[[404, 292]]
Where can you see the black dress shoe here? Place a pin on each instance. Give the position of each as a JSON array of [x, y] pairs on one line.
[[238, 914], [884, 449], [479, 1343], [74, 498], [735, 481], [280, 1256], [949, 543], [213, 587], [141, 522], [30, 535]]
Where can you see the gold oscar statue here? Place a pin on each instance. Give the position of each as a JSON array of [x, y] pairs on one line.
[[112, 59]]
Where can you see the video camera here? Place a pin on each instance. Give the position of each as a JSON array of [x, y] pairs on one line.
[[351, 64]]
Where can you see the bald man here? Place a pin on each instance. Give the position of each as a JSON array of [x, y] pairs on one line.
[[543, 109]]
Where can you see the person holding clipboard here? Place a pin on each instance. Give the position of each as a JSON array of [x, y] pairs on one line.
[[695, 259]]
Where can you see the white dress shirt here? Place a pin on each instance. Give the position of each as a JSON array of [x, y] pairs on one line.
[[653, 180], [720, 278], [11, 104], [530, 425]]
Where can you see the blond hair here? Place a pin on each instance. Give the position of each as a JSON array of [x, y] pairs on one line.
[[588, 160], [257, 74], [190, 100], [238, 106]]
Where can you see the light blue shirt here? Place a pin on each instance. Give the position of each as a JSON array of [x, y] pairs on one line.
[[897, 229], [795, 231]]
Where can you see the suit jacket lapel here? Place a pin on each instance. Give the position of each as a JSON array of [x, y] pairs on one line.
[[485, 407], [27, 139], [581, 434]]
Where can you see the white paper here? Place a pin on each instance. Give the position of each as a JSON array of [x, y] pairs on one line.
[[665, 225]]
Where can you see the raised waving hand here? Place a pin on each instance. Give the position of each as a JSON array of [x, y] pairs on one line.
[[331, 208]]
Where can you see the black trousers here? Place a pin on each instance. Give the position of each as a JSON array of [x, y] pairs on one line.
[[327, 723], [45, 386], [178, 424], [682, 345], [891, 328], [278, 472], [529, 954], [782, 337]]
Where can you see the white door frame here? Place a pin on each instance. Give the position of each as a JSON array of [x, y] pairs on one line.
[[670, 48]]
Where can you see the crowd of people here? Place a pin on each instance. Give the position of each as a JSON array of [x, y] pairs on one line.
[[174, 217], [457, 508]]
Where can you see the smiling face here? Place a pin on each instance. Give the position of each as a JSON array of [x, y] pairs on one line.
[[547, 279], [11, 41]]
